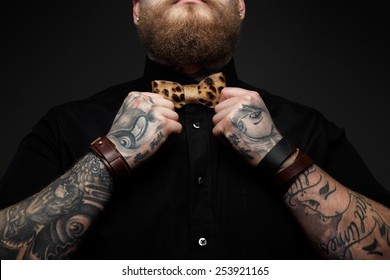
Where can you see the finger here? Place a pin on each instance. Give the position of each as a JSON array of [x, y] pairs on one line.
[[219, 129], [146, 93], [249, 98], [229, 92], [152, 98], [167, 113], [162, 102], [173, 127], [227, 103], [169, 118], [222, 114]]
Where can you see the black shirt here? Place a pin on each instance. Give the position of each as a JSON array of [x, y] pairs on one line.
[[196, 198]]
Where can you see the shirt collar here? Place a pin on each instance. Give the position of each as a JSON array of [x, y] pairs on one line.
[[156, 71]]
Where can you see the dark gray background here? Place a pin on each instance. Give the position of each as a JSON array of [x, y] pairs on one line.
[[331, 56]]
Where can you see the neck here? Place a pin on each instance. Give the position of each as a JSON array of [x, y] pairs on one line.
[[195, 72]]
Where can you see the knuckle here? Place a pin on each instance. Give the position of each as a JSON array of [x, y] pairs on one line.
[[246, 98], [250, 97], [224, 125]]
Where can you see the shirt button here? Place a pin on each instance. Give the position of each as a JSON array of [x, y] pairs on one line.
[[202, 241], [200, 181], [196, 125]]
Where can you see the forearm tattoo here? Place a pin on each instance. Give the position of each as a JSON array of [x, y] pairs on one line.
[[50, 224], [255, 133], [342, 224]]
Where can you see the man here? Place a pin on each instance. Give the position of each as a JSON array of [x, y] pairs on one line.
[[253, 177]]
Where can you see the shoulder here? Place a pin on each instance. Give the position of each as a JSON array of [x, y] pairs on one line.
[[299, 122], [111, 96], [281, 105], [101, 105], [86, 118]]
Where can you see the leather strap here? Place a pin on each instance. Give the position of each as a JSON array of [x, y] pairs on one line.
[[284, 179], [116, 164], [272, 161]]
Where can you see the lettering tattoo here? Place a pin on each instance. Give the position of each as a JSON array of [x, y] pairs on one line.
[[233, 138], [345, 225], [50, 224], [245, 153], [157, 140], [139, 157]]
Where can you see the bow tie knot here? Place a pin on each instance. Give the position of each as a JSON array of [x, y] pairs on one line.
[[207, 92]]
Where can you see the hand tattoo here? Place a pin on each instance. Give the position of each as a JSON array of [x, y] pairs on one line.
[[136, 131], [255, 133]]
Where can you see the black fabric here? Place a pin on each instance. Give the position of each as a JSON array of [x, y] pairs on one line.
[[194, 187]]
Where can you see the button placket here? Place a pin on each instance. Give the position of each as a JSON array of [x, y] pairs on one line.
[[198, 129]]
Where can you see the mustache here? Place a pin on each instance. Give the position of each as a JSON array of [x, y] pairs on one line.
[[175, 1], [172, 2], [211, 3]]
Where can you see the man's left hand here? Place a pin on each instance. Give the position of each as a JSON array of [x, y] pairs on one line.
[[244, 120]]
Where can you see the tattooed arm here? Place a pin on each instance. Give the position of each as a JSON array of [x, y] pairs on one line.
[[52, 223], [340, 223]]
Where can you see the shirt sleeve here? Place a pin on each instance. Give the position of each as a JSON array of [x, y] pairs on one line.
[[345, 165], [328, 146], [333, 152], [35, 164]]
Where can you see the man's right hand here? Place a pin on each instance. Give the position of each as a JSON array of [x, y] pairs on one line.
[[142, 125]]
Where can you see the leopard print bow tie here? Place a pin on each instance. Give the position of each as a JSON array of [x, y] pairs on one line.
[[207, 92]]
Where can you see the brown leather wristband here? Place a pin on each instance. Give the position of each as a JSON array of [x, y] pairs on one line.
[[116, 164], [287, 176]]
